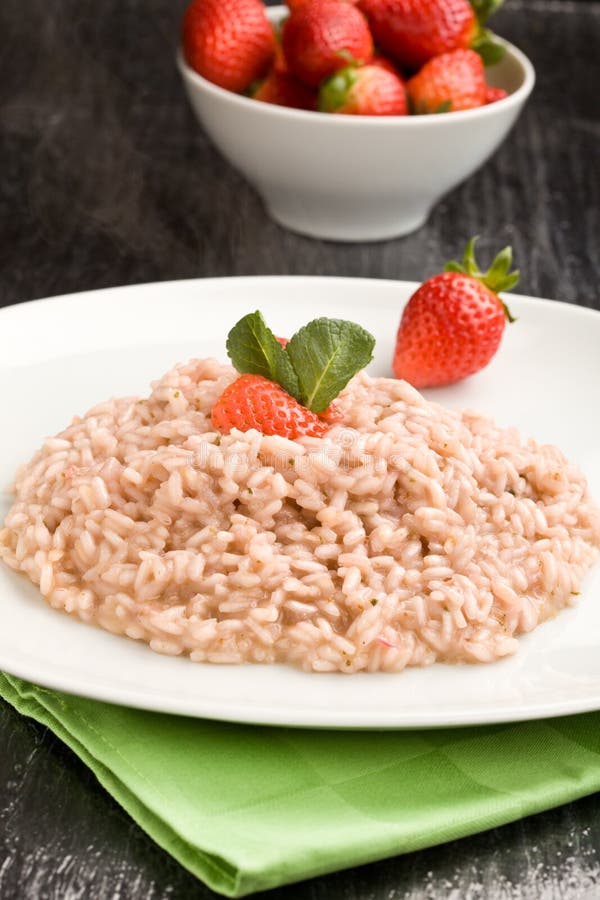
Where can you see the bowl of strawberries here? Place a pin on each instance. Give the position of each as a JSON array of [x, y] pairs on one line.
[[352, 119]]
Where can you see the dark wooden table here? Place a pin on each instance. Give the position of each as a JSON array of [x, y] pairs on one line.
[[106, 179]]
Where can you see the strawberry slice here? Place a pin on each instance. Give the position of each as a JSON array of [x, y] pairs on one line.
[[255, 402], [333, 414]]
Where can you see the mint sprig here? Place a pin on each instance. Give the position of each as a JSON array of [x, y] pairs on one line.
[[254, 349], [325, 354], [318, 362]]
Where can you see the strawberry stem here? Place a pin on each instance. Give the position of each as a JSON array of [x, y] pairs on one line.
[[484, 42], [348, 58], [490, 50], [483, 9], [334, 91], [498, 277]]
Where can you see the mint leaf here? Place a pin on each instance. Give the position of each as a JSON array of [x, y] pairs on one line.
[[325, 354], [317, 363], [253, 348]]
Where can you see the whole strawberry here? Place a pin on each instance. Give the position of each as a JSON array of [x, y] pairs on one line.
[[448, 83], [370, 90], [414, 31], [253, 401], [229, 42], [321, 36], [284, 89], [452, 325]]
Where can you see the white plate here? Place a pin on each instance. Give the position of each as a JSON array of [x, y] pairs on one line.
[[60, 356]]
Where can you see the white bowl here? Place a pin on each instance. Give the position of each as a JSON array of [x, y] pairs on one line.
[[356, 178]]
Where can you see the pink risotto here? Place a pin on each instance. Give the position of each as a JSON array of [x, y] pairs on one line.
[[409, 534]]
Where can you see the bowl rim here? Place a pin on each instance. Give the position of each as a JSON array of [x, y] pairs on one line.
[[430, 120]]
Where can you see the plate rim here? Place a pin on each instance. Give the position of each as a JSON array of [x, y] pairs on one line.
[[12, 308], [277, 717]]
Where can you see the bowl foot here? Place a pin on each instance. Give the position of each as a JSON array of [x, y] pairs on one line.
[[347, 228]]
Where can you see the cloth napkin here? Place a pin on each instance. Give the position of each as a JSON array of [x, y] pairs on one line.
[[248, 808]]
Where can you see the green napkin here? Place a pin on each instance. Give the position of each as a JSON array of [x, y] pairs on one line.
[[247, 808]]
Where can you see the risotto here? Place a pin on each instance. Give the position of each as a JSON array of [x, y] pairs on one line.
[[408, 534]]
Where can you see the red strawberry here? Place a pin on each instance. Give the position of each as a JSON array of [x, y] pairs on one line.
[[364, 91], [332, 414], [449, 82], [320, 37], [493, 94], [452, 325], [283, 341], [283, 89], [255, 402], [416, 30], [229, 42]]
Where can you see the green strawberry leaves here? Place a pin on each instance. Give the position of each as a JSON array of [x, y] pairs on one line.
[[497, 278], [485, 43], [489, 48], [317, 363], [335, 89], [483, 9]]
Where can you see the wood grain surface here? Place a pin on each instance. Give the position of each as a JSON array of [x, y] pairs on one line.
[[106, 179]]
